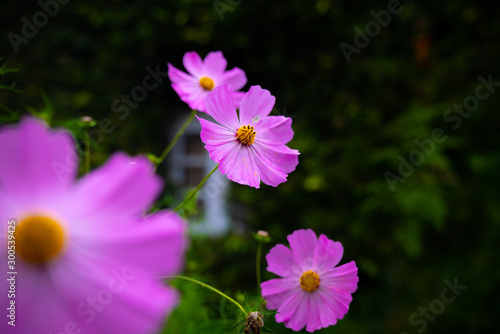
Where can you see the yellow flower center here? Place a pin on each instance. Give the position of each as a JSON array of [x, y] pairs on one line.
[[309, 281], [246, 134], [38, 239], [207, 83]]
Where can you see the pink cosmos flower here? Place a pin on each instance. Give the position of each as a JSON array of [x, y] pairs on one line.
[[79, 256], [311, 292], [204, 76], [251, 147]]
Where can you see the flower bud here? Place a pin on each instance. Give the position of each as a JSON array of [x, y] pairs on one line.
[[262, 236], [254, 323]]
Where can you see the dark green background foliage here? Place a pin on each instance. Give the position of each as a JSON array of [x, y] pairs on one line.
[[351, 120]]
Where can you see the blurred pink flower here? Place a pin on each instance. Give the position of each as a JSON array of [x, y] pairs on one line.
[[86, 258], [311, 292], [204, 76], [251, 147]]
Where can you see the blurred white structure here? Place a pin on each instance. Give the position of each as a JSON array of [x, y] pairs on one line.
[[187, 164]]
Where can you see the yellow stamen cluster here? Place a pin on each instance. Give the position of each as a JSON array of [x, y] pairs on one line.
[[246, 134], [309, 281], [207, 83], [38, 239]]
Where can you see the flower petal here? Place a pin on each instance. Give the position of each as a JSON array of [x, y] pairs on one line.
[[282, 262], [270, 175], [239, 166], [335, 304], [215, 135], [277, 290], [236, 163], [303, 244], [214, 63], [282, 158], [220, 106], [274, 130], [193, 64], [161, 236], [38, 164], [249, 170], [315, 308], [302, 315], [220, 142], [328, 253], [287, 307], [273, 165], [237, 98], [335, 291], [33, 286], [103, 295], [124, 187], [188, 88], [7, 208], [129, 311], [192, 94], [178, 76], [328, 315], [341, 279], [255, 105], [292, 308], [235, 78], [278, 286]]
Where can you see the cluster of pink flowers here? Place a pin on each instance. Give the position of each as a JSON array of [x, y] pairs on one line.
[[83, 255], [250, 146]]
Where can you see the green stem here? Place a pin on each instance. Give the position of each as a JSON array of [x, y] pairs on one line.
[[211, 288], [195, 190], [87, 153], [257, 265], [176, 138]]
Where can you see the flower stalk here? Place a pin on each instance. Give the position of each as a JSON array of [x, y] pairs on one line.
[[176, 138], [261, 237], [87, 153], [257, 265], [195, 190], [192, 280]]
